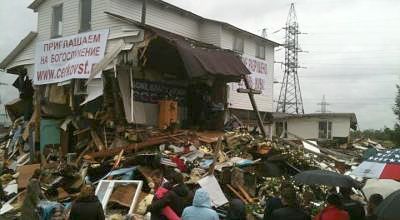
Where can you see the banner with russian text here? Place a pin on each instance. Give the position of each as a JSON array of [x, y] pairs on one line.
[[71, 57], [261, 78]]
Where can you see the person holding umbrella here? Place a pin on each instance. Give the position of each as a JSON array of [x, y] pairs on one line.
[[373, 202], [389, 208]]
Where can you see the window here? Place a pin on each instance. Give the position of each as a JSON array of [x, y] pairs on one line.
[[238, 44], [281, 129], [57, 23], [260, 52], [325, 130], [86, 15]]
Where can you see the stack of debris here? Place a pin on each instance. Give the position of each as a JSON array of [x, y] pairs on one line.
[[123, 161]]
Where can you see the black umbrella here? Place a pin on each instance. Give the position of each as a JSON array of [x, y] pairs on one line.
[[325, 177], [389, 209]]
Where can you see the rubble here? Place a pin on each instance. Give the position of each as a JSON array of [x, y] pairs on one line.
[[245, 166]]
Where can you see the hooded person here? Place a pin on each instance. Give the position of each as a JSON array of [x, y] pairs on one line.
[[201, 208], [87, 206], [237, 210]]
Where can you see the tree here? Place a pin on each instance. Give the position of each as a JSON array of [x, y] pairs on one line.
[[395, 137], [396, 108]]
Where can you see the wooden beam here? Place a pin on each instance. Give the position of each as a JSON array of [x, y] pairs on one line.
[[237, 194], [132, 147], [254, 104]]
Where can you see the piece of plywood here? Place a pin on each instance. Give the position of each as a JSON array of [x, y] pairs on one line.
[[25, 174], [123, 195]]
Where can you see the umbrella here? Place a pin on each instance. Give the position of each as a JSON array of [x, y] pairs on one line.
[[389, 208], [325, 177], [383, 165], [383, 187]]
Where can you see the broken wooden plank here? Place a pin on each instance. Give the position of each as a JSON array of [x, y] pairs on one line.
[[97, 140], [81, 131], [25, 174], [132, 147], [215, 156], [244, 192], [237, 194]]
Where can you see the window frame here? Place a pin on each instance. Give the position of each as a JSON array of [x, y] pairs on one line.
[[235, 41], [81, 28], [325, 133], [258, 55], [55, 26], [105, 195]]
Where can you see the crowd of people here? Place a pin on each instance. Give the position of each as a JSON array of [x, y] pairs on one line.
[[174, 200], [338, 206]]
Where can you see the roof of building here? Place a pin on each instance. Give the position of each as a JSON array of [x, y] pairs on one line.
[[22, 44], [352, 116], [35, 4], [199, 58]]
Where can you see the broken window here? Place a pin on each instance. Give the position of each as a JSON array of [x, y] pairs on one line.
[[325, 130], [123, 192], [260, 52], [86, 15], [57, 23], [238, 44]]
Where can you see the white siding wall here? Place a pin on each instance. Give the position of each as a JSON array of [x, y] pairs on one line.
[[308, 127], [170, 20], [210, 33], [25, 56], [242, 101], [340, 127], [227, 39], [303, 127]]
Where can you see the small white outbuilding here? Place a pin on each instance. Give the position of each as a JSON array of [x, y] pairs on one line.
[[319, 126]]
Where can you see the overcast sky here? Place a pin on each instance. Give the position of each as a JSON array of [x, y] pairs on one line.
[[353, 47]]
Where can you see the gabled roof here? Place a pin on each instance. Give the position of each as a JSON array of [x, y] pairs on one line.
[[20, 47], [35, 4]]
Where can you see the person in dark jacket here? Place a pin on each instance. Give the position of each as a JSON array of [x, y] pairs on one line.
[[353, 207], [373, 202], [274, 203], [291, 209], [333, 210], [176, 198], [87, 206], [237, 210]]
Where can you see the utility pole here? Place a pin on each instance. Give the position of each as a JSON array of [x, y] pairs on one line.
[[323, 105], [290, 100]]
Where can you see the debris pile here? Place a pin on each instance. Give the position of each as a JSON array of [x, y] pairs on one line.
[[124, 166]]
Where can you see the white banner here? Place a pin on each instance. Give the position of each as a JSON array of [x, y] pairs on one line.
[[258, 76], [261, 79], [71, 57]]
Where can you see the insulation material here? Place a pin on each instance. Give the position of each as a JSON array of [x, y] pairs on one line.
[[94, 90]]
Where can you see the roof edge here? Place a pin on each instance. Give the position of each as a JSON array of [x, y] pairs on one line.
[[35, 4], [21, 45], [169, 5]]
